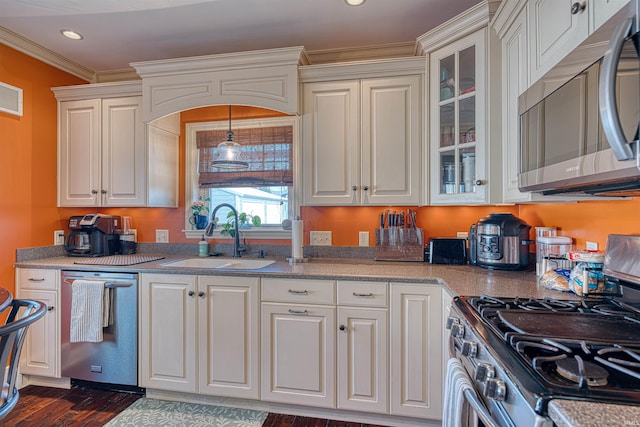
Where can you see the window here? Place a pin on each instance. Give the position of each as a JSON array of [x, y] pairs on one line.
[[265, 188]]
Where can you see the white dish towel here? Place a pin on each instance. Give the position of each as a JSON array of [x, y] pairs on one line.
[[90, 308], [457, 412]]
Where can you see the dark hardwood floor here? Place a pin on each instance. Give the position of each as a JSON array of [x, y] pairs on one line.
[[90, 407]]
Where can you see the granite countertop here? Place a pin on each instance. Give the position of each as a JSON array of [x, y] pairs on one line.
[[460, 280]]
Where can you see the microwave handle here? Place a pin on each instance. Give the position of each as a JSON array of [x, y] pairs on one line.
[[607, 93]]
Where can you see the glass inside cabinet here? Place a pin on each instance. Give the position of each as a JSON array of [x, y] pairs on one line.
[[457, 122]]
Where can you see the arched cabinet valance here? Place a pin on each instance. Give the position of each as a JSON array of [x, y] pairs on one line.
[[265, 78]]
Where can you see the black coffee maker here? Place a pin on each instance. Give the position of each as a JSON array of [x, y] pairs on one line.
[[94, 235]]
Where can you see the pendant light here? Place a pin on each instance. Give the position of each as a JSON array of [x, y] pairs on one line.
[[229, 152]]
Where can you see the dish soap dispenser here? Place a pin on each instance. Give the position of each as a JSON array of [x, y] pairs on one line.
[[203, 247]]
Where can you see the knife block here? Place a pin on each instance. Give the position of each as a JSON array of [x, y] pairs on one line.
[[399, 244]]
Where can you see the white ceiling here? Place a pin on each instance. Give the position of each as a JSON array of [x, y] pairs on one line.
[[117, 32]]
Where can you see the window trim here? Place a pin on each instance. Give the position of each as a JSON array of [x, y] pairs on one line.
[[272, 232]]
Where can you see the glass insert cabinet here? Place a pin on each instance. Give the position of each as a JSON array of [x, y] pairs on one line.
[[457, 100]]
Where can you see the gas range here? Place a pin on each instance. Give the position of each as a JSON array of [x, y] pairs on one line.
[[522, 352]]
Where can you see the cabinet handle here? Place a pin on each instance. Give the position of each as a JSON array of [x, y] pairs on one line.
[[94, 191], [578, 7], [103, 191], [365, 188], [299, 312], [50, 308], [191, 293], [354, 188], [480, 181], [355, 294], [201, 294], [31, 279], [293, 291], [342, 328]]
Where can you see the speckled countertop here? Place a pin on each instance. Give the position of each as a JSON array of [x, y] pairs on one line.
[[459, 280]]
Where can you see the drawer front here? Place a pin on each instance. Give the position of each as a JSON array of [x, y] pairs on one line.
[[299, 291], [37, 278], [365, 294]]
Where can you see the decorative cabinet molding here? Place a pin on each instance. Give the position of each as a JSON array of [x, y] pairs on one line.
[[266, 78]]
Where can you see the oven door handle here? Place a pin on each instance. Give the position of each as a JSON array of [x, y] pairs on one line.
[[479, 408]]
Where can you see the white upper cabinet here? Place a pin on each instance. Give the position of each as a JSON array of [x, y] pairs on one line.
[[106, 156], [465, 156], [362, 138], [556, 27]]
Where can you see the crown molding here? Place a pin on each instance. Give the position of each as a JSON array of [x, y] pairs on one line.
[[98, 90], [362, 69], [363, 53], [466, 23], [505, 15], [45, 55], [126, 74]]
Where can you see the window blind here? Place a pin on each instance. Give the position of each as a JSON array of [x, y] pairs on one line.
[[268, 150]]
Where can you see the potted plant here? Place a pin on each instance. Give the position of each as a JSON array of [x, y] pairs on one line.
[[246, 220], [200, 213]]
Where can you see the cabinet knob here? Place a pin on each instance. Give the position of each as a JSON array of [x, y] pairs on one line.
[[480, 182], [343, 328], [94, 191], [191, 293], [365, 188], [201, 294], [578, 7], [103, 191], [354, 188], [50, 308]]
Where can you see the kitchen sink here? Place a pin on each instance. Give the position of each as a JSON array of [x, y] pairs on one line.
[[236, 264]]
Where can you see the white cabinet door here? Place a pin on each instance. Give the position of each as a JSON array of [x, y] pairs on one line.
[[228, 317], [391, 129], [298, 354], [79, 155], [123, 152], [460, 167], [331, 143], [162, 167], [41, 352], [416, 350], [168, 332], [362, 359], [602, 10], [556, 27]]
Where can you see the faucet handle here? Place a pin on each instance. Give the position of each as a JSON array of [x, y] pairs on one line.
[[209, 230]]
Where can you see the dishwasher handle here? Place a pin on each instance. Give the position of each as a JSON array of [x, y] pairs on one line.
[[108, 285]]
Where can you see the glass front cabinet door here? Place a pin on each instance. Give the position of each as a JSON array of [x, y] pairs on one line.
[[457, 135]]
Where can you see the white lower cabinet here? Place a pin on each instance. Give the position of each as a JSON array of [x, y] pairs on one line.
[[228, 318], [298, 342], [416, 350], [168, 332], [41, 349], [362, 353], [199, 334]]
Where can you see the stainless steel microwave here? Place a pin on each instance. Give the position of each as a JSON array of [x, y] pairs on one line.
[[579, 123]]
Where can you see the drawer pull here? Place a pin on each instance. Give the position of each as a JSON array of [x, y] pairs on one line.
[[299, 312], [50, 308], [31, 279], [293, 291], [191, 293], [356, 294]]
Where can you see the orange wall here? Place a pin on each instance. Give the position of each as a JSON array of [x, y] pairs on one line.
[[29, 214]]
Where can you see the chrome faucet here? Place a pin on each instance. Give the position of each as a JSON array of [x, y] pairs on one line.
[[212, 225]]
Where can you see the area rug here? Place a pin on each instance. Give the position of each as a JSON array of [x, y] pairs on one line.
[[153, 412]]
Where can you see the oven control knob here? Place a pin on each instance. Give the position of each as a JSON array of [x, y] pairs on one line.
[[484, 371], [452, 321], [469, 348], [495, 389], [457, 330]]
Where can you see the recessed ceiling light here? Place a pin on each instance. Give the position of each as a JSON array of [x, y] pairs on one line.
[[70, 34], [354, 2]]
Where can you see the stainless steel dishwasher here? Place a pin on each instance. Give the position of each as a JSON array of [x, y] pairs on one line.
[[114, 360]]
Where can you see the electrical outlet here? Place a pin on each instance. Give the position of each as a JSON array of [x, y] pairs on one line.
[[320, 238], [162, 236], [58, 237], [363, 238], [592, 246], [462, 235]]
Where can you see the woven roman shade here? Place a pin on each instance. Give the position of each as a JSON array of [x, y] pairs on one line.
[[268, 150]]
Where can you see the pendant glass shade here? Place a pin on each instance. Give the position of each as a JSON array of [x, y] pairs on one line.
[[229, 152]]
